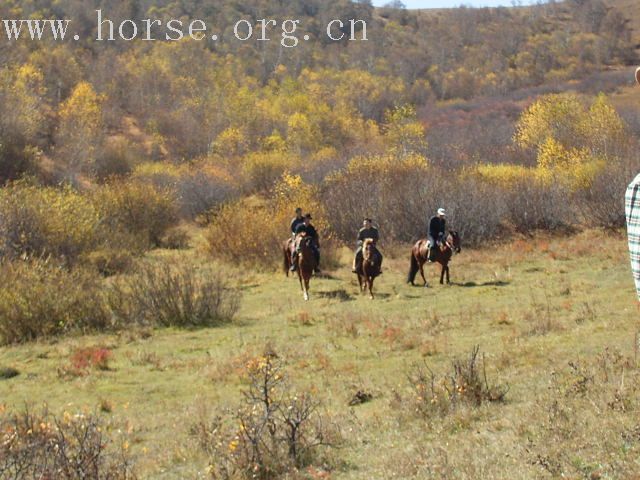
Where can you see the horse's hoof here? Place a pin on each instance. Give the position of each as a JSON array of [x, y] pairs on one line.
[[306, 297], [370, 297]]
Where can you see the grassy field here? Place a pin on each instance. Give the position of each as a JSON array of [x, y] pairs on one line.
[[556, 319]]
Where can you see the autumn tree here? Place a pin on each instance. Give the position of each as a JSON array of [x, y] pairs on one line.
[[80, 132]]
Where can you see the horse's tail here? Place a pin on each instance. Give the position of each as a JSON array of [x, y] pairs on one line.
[[413, 269], [286, 252]]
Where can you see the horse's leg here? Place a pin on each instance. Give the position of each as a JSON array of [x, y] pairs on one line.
[[421, 263], [287, 260], [444, 269], [370, 284], [300, 277], [360, 283], [448, 280], [306, 287]]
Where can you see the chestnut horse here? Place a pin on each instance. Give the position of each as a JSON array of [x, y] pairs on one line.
[[306, 262], [442, 256], [370, 267]]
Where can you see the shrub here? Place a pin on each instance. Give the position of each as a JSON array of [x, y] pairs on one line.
[[16, 159], [176, 238], [198, 187], [476, 209], [134, 212], [67, 448], [401, 195], [538, 206], [46, 221], [7, 373], [254, 232], [110, 261], [116, 159], [397, 193], [275, 432], [174, 296], [466, 384], [262, 170], [91, 357], [601, 204], [39, 299]]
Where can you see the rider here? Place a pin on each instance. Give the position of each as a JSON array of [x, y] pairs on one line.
[[367, 231], [310, 231], [437, 228], [298, 220]]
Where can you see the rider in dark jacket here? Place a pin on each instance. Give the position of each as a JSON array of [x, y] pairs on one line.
[[298, 220], [310, 231], [437, 229], [367, 231]]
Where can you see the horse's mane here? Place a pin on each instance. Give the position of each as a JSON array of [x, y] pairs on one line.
[[367, 242]]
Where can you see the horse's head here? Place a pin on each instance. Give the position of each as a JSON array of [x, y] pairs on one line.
[[367, 247], [453, 239]]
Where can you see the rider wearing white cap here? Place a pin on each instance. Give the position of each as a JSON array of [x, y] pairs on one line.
[[437, 229]]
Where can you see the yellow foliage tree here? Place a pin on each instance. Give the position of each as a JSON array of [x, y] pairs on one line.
[[405, 135], [574, 143], [80, 130]]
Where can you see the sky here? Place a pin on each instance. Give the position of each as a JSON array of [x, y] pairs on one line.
[[451, 3]]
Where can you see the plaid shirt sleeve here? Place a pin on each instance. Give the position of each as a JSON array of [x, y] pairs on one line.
[[632, 208]]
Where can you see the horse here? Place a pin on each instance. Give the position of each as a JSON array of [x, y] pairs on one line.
[[442, 256], [306, 262], [287, 251], [369, 269]]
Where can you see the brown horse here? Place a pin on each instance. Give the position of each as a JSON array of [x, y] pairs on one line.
[[370, 267], [287, 251], [419, 256], [306, 262]]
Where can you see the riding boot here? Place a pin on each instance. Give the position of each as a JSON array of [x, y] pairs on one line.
[[294, 262], [429, 254], [356, 262]]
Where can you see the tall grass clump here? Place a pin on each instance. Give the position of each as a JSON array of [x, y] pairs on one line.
[[174, 295], [466, 384]]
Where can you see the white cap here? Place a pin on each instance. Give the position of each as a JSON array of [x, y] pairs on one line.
[[441, 212]]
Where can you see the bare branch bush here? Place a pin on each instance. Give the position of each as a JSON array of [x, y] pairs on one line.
[[274, 431]]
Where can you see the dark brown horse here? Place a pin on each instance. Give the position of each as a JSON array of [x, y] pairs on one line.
[[419, 256], [306, 262], [370, 267], [287, 252]]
